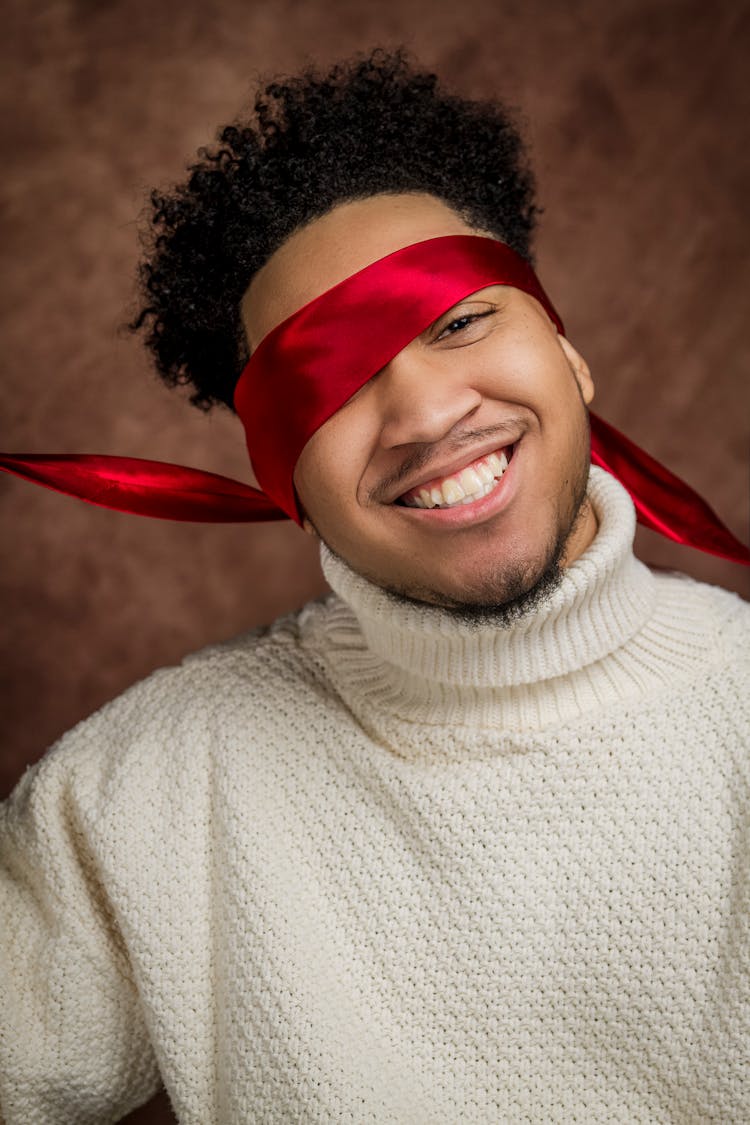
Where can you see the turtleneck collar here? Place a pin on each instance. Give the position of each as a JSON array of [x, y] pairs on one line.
[[403, 667]]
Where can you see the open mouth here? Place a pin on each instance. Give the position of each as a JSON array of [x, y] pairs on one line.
[[472, 483]]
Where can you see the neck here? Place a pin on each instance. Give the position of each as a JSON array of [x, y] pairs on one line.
[[414, 675]]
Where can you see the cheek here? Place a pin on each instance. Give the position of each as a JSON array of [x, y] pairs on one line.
[[330, 468], [520, 361], [533, 371]]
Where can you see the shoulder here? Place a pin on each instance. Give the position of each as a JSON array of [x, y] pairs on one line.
[[723, 614], [203, 680], [168, 725]]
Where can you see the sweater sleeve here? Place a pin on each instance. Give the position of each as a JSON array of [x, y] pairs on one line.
[[73, 1041]]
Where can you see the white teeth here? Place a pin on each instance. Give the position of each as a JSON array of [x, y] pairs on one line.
[[452, 491], [470, 481], [484, 490], [471, 484]]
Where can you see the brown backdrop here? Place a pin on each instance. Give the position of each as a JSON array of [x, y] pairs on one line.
[[636, 112]]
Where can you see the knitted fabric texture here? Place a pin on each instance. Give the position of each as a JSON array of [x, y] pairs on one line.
[[374, 865]]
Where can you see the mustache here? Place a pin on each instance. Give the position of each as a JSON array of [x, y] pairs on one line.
[[424, 454]]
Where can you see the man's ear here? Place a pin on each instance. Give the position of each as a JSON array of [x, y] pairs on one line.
[[580, 369], [308, 527]]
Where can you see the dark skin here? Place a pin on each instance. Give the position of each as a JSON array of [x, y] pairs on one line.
[[491, 375]]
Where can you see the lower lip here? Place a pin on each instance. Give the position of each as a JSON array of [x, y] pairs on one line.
[[465, 515]]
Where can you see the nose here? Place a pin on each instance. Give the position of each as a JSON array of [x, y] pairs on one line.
[[421, 399]]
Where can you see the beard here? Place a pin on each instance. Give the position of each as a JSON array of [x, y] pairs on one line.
[[522, 596], [515, 590]]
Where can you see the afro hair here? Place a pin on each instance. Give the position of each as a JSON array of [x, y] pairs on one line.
[[372, 125]]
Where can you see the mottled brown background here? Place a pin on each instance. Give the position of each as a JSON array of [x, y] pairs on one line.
[[637, 115]]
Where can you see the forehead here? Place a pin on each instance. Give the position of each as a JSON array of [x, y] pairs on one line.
[[337, 245]]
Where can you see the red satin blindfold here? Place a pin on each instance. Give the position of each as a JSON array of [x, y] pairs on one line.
[[304, 370], [312, 363]]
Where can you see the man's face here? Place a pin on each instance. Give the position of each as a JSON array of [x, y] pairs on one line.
[[384, 481]]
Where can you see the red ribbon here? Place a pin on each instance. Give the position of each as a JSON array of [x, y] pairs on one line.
[[306, 368], [145, 488]]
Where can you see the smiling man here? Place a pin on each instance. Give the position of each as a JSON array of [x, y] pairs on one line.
[[457, 475], [465, 840]]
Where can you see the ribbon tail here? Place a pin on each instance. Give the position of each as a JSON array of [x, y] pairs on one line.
[[663, 501], [145, 488]]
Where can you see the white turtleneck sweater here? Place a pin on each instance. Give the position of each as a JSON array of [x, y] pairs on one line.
[[374, 865]]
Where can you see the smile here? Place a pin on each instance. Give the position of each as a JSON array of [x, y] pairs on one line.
[[475, 481]]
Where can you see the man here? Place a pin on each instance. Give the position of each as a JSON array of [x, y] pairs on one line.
[[466, 840]]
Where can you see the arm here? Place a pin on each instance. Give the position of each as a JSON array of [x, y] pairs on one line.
[[73, 1041]]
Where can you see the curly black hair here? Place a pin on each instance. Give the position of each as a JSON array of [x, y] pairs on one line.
[[370, 125]]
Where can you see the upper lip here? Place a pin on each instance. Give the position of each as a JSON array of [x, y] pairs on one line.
[[454, 465]]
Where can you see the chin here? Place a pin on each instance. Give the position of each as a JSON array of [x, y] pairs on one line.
[[508, 590], [502, 594], [480, 589], [512, 563]]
